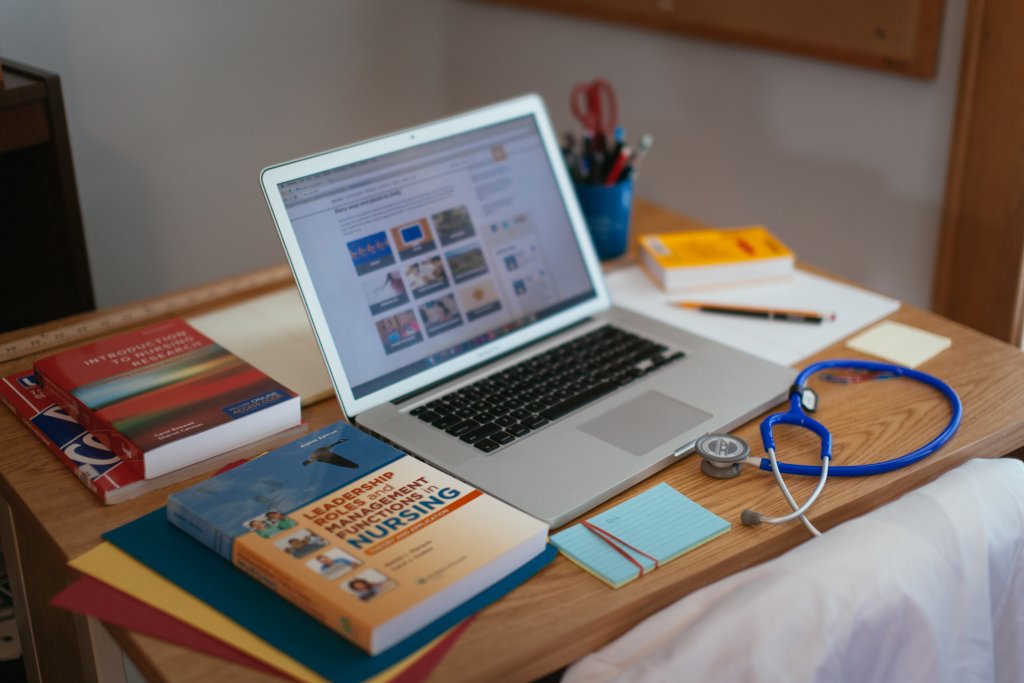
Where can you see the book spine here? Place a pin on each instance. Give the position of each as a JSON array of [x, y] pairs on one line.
[[653, 267], [90, 421], [292, 587], [54, 448], [194, 525]]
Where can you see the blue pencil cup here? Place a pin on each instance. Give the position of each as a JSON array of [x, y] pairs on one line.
[[607, 211]]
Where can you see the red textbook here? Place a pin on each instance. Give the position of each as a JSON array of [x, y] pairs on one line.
[[110, 478], [165, 396]]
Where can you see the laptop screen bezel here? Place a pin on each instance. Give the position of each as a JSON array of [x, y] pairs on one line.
[[527, 105]]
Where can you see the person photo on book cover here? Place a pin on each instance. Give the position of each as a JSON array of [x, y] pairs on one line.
[[300, 544], [369, 584], [270, 524], [333, 563], [278, 520]]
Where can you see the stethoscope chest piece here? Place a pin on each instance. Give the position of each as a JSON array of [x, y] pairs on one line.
[[722, 455]]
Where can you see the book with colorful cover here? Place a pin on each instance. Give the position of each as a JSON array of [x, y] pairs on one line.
[[102, 472], [698, 259], [373, 543], [165, 396]]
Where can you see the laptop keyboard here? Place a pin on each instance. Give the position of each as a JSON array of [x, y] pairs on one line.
[[510, 404]]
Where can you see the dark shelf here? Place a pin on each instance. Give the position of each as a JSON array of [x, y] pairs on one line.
[[47, 272]]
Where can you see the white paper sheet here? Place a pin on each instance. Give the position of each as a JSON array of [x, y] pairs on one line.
[[782, 342], [272, 333]]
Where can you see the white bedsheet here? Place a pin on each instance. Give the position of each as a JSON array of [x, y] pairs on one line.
[[929, 588]]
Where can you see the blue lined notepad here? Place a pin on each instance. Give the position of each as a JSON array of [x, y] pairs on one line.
[[639, 535]]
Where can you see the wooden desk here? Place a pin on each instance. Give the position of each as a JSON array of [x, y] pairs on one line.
[[563, 613]]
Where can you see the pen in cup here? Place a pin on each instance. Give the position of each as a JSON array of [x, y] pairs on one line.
[[618, 166], [785, 314], [640, 152]]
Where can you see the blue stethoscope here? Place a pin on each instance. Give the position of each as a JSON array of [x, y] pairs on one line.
[[800, 398]]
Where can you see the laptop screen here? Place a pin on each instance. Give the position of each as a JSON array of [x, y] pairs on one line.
[[422, 255]]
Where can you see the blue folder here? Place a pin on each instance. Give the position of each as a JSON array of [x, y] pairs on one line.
[[153, 541]]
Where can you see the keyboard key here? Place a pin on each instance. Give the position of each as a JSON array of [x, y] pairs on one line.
[[486, 445], [496, 409], [501, 437], [534, 422], [462, 427], [548, 399], [480, 432], [570, 404], [446, 421], [429, 416], [486, 396], [505, 420], [517, 430], [417, 410]]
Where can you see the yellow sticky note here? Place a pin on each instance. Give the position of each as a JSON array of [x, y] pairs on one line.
[[899, 343]]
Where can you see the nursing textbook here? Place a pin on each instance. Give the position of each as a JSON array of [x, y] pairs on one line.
[[370, 541], [110, 478], [165, 396]]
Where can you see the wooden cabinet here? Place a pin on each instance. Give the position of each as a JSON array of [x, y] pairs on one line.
[[45, 272]]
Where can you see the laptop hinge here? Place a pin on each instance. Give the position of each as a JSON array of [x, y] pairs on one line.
[[473, 368]]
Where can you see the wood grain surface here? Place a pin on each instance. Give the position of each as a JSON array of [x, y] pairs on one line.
[[564, 613]]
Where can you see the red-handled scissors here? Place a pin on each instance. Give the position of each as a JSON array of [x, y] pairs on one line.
[[594, 104]]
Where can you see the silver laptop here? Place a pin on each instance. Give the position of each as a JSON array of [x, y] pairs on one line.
[[461, 311]]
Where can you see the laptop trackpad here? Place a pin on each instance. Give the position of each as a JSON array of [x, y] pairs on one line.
[[645, 422]]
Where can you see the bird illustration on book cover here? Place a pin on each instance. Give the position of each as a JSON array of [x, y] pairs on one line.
[[327, 455], [297, 473]]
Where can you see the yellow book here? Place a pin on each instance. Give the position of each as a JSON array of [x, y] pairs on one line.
[[700, 259]]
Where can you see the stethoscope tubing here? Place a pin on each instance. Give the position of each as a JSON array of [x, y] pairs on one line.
[[795, 415]]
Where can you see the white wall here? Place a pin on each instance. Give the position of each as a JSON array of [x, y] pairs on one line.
[[174, 106], [846, 164]]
